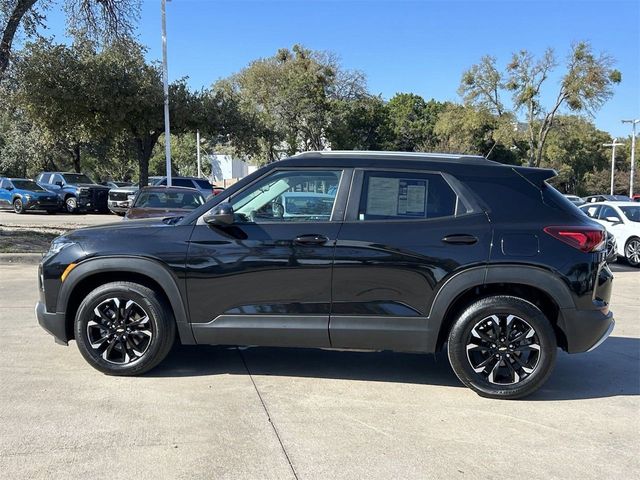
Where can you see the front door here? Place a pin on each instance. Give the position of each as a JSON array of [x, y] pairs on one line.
[[266, 279]]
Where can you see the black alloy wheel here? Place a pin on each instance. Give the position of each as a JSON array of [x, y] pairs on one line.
[[124, 328], [502, 347]]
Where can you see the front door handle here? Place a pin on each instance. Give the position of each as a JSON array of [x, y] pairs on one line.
[[313, 239], [460, 239]]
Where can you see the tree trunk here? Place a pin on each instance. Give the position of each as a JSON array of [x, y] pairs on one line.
[[76, 159], [144, 149], [9, 32]]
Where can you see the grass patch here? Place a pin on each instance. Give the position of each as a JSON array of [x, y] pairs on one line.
[[28, 239]]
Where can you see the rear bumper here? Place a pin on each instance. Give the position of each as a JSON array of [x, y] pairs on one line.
[[54, 323], [585, 329]]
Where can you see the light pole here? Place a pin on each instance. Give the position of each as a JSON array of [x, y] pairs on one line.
[[165, 85], [198, 153], [613, 158], [633, 153]]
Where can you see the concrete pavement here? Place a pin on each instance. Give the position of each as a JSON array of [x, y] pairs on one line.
[[214, 412], [60, 220]]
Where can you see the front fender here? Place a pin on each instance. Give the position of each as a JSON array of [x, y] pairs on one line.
[[150, 268]]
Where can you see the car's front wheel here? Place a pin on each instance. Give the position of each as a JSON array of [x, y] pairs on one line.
[[71, 204], [632, 252], [18, 206], [502, 347], [124, 328]]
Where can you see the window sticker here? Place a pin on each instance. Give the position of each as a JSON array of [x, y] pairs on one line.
[[382, 196], [404, 197]]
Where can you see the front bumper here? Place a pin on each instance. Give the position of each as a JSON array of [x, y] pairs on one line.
[[54, 323], [119, 206], [585, 330], [36, 204]]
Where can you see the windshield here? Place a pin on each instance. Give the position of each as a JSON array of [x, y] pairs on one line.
[[632, 213], [76, 178], [169, 200], [27, 185]]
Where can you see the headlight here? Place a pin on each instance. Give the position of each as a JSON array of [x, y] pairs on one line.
[[131, 196], [83, 190], [57, 246]]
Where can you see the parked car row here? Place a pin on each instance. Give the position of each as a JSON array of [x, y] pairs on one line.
[[76, 192]]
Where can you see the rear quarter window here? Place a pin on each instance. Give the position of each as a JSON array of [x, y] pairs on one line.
[[203, 184]]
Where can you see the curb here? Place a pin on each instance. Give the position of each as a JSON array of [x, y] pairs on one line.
[[20, 258]]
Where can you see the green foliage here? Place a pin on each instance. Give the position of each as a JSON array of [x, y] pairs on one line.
[[359, 124], [183, 156], [586, 85], [412, 121]]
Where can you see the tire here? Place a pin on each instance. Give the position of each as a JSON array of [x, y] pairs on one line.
[[18, 206], [486, 365], [71, 204], [632, 252], [96, 335]]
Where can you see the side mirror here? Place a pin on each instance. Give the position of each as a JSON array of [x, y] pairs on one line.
[[9, 188], [614, 220], [59, 184], [220, 215]]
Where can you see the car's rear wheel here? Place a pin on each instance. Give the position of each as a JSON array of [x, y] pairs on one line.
[[18, 206], [124, 328], [502, 347], [632, 252], [71, 204]]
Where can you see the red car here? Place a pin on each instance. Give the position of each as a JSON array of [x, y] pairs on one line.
[[164, 202]]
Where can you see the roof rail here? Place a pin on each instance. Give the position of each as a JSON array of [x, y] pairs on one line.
[[370, 153]]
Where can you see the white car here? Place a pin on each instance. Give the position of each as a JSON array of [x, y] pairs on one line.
[[622, 219]]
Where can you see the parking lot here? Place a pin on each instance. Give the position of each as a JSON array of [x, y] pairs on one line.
[[218, 412]]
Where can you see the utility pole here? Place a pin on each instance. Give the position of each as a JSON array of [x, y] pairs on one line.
[[613, 158], [165, 84], [198, 153], [633, 153]]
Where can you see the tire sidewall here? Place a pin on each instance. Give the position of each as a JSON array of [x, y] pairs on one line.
[[502, 305], [18, 206], [151, 307]]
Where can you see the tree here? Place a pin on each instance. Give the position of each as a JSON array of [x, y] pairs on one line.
[[98, 18], [288, 98], [574, 148], [585, 86], [359, 124], [412, 121], [79, 95]]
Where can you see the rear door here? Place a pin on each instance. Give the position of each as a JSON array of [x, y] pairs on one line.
[[405, 233], [5, 194]]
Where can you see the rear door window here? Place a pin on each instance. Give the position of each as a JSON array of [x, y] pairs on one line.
[[406, 196], [203, 184], [182, 182]]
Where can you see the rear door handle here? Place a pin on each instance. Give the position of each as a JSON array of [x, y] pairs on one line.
[[312, 239], [460, 239]]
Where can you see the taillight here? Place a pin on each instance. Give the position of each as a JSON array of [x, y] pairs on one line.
[[585, 239]]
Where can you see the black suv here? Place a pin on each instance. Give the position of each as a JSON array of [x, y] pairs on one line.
[[348, 250], [76, 190]]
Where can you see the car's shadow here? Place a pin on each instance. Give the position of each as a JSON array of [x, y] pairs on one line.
[[611, 370], [622, 266]]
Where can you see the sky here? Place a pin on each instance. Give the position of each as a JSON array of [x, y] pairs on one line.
[[419, 46]]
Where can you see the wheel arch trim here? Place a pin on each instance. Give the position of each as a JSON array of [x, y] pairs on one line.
[[146, 267], [461, 282]]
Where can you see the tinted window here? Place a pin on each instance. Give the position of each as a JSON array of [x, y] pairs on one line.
[[608, 212], [204, 184], [28, 185], [169, 200], [44, 178], [182, 182], [591, 211], [405, 195], [289, 196], [56, 178], [4, 183], [76, 178], [632, 213]]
